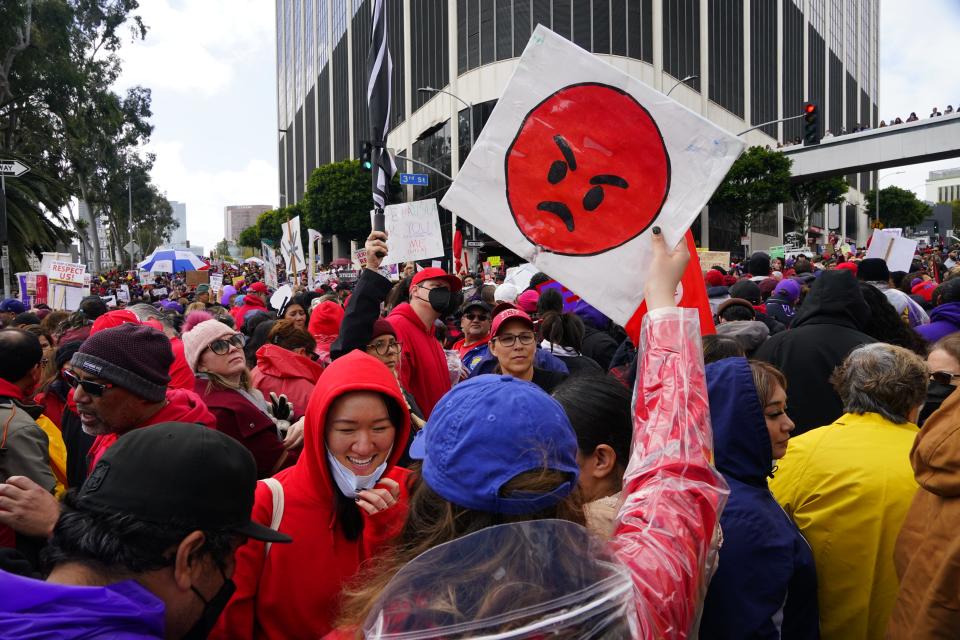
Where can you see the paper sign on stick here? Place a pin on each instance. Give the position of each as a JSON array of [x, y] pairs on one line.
[[710, 259], [67, 273], [291, 248], [578, 161], [413, 231], [897, 252], [269, 266]]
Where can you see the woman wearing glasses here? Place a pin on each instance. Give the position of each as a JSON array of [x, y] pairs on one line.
[[513, 342], [944, 365], [215, 353]]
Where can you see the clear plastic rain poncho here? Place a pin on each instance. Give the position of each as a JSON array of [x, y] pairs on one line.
[[551, 579]]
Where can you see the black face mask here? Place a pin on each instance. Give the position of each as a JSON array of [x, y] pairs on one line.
[[439, 299], [937, 393], [212, 609]]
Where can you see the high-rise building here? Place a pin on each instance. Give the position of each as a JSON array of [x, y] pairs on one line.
[[944, 185], [739, 63], [178, 237], [236, 218]]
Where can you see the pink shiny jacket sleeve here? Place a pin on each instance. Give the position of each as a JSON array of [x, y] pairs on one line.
[[673, 496]]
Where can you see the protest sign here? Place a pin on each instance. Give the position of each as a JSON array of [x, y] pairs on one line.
[[413, 230], [269, 266], [436, 264], [216, 283], [897, 252], [777, 251], [494, 261], [291, 248], [710, 259], [123, 293], [281, 297], [578, 161], [160, 292], [197, 277], [66, 273], [360, 257]]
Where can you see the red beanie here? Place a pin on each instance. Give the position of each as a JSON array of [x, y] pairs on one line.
[[924, 289], [849, 266], [713, 278], [112, 319]]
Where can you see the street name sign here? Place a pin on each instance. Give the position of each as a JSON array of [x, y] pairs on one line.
[[419, 179]]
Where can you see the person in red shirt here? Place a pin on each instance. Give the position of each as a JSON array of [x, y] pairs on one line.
[[423, 368], [475, 324], [255, 300]]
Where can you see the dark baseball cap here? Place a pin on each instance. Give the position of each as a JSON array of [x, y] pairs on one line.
[[476, 302], [175, 471]]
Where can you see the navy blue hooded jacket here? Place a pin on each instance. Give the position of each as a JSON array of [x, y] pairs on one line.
[[766, 583]]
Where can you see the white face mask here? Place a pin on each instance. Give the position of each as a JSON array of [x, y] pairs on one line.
[[348, 482]]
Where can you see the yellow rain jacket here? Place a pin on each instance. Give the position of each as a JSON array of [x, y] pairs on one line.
[[58, 453], [848, 487]]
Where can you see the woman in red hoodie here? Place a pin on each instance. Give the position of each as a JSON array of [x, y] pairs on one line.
[[342, 502], [324, 326], [284, 366]]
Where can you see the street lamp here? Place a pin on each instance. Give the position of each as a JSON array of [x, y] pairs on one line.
[[455, 97], [680, 82], [879, 178]]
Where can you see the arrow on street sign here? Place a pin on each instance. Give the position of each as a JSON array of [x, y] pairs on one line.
[[12, 168]]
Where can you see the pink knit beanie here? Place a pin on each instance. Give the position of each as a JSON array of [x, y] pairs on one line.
[[200, 337]]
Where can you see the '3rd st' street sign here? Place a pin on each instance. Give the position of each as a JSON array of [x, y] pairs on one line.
[[12, 168]]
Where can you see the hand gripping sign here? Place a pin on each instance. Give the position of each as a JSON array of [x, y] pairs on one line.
[[576, 164]]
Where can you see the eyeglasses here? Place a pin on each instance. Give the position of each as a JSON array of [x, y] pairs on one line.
[[93, 388], [383, 348], [477, 317], [943, 377], [222, 346], [509, 339]]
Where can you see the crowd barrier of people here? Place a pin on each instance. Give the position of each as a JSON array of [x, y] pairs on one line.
[[448, 457]]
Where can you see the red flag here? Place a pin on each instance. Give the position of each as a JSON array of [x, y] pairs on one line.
[[458, 263], [693, 295]]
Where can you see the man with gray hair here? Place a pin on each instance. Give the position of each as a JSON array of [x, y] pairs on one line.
[[848, 486]]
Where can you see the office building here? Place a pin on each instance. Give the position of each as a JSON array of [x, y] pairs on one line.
[[178, 237], [739, 63], [943, 186], [236, 218]]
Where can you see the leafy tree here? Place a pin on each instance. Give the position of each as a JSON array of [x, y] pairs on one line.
[[222, 249], [758, 181], [898, 207], [816, 194], [249, 237], [338, 200]]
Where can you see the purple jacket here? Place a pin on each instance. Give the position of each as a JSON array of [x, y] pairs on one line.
[[944, 320], [35, 609]]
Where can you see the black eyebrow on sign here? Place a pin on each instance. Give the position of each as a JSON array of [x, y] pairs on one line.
[[613, 181], [566, 151]]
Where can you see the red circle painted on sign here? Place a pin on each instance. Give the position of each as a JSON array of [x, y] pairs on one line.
[[587, 171]]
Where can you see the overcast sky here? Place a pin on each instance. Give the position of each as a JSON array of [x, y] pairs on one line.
[[210, 64]]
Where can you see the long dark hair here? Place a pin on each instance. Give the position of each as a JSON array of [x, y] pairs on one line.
[[564, 329], [599, 410]]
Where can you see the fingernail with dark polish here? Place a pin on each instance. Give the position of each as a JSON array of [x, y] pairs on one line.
[[656, 230]]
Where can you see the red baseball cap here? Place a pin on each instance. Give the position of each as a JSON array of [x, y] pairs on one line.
[[509, 314], [435, 273], [112, 319], [259, 287]]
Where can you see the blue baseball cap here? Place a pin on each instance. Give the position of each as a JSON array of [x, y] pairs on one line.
[[12, 305], [488, 430]]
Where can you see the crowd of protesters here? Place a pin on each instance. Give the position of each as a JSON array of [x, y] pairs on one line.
[[454, 457]]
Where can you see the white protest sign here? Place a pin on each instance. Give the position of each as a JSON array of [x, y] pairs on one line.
[[269, 265], [66, 273], [578, 161], [123, 293], [360, 257], [897, 252], [281, 296], [291, 248], [162, 291], [894, 231], [413, 231], [216, 283]]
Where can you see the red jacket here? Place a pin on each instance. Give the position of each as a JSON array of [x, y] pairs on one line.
[[293, 592], [251, 302], [324, 326], [181, 375], [282, 371], [246, 423], [182, 406], [423, 365]]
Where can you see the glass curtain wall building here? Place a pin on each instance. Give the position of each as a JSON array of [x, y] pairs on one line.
[[746, 62]]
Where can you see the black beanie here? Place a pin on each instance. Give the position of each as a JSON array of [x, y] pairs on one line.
[[759, 264], [747, 290], [135, 357], [65, 351], [873, 270]]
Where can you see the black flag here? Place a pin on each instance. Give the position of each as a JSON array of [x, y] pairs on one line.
[[380, 74]]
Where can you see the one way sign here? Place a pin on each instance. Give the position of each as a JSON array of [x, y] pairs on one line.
[[12, 168]]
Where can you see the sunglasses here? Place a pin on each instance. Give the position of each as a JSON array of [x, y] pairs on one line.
[[944, 377], [93, 388], [476, 317], [222, 346]]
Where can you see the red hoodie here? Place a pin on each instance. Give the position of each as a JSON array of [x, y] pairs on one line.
[[293, 592], [324, 326], [423, 365], [182, 406], [251, 302], [282, 371]]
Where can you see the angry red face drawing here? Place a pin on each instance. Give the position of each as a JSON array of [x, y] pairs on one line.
[[587, 171]]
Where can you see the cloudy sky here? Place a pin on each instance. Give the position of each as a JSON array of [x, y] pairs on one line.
[[210, 64]]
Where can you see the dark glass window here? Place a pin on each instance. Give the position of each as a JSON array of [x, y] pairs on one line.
[[521, 25], [581, 23], [362, 26], [640, 29], [282, 159], [681, 40], [561, 17], [463, 16], [816, 75], [473, 34], [298, 156], [763, 65], [310, 131], [541, 14], [290, 190], [487, 32], [429, 63], [341, 122], [601, 26], [726, 54], [323, 114], [793, 56], [481, 113], [433, 148], [395, 24], [618, 27], [504, 25], [835, 113]]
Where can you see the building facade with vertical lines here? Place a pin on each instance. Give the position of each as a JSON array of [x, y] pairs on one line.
[[753, 61]]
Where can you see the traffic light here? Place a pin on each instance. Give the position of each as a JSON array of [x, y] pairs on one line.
[[366, 156], [811, 133]]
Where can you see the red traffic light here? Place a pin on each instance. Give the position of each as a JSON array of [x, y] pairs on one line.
[[809, 107]]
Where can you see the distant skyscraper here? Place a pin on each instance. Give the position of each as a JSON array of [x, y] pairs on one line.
[[179, 235], [236, 218]]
